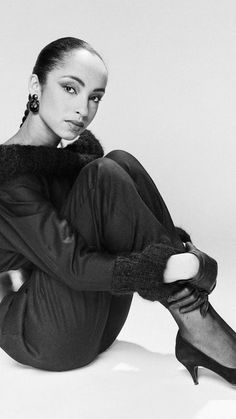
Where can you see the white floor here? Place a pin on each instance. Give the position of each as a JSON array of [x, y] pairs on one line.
[[137, 378]]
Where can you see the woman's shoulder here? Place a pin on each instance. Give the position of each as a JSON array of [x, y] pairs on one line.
[[18, 159], [19, 162]]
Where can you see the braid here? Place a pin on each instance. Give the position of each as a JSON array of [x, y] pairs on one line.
[[25, 115]]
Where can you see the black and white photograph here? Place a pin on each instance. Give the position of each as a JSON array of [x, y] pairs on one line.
[[117, 209]]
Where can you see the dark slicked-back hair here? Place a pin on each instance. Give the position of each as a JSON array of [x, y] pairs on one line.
[[53, 54]]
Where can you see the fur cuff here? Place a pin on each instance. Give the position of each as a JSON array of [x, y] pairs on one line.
[[142, 271]]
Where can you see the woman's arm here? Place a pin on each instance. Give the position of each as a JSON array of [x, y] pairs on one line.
[[33, 229], [11, 260]]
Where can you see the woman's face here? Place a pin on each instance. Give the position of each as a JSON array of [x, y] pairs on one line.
[[70, 97]]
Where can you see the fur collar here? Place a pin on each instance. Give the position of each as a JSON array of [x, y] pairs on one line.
[[16, 159]]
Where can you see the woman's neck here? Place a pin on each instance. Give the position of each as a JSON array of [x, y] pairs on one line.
[[34, 132]]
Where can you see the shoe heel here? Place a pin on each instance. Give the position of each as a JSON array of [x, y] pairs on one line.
[[191, 357], [193, 370]]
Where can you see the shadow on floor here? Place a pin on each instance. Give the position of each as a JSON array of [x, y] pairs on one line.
[[167, 385], [126, 381]]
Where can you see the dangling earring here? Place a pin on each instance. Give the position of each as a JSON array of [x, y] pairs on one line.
[[33, 103]]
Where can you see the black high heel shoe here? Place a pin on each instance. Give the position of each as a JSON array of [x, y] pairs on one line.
[[192, 358]]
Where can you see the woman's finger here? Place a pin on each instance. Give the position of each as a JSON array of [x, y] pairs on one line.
[[190, 299], [204, 307], [189, 246], [185, 292], [191, 307]]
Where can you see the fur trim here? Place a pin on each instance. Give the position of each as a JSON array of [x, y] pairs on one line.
[[143, 272], [16, 159]]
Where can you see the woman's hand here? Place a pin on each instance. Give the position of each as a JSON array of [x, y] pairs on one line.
[[205, 279], [189, 299]]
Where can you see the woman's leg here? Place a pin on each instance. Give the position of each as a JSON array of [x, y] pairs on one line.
[[48, 325], [153, 200], [107, 209], [210, 334], [145, 187]]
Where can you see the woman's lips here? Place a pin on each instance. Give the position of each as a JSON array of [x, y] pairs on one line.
[[75, 126]]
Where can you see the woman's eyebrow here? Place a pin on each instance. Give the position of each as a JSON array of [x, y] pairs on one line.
[[82, 83]]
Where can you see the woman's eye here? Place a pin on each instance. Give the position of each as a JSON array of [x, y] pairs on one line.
[[96, 99], [69, 89]]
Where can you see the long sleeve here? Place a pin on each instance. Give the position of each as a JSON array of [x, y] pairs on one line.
[[11, 260], [30, 226]]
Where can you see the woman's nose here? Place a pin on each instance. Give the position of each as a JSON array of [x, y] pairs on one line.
[[82, 108]]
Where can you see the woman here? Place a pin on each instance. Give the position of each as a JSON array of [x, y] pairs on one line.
[[84, 247]]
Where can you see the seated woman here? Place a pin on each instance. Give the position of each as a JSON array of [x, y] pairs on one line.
[[89, 230]]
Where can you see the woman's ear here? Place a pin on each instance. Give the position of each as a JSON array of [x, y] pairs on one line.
[[34, 85]]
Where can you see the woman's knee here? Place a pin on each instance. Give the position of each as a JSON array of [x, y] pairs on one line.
[[126, 160], [102, 170], [121, 156]]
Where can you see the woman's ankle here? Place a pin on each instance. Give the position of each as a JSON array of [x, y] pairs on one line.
[[193, 326]]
